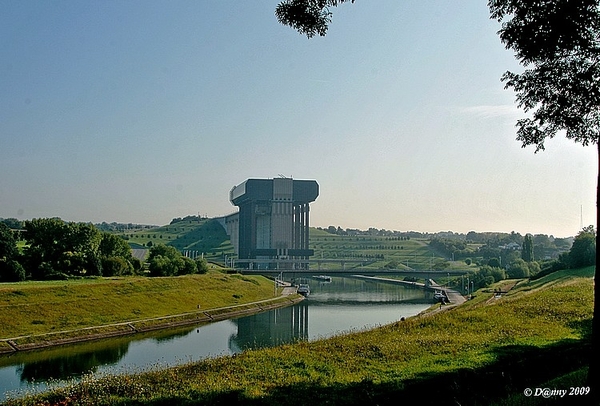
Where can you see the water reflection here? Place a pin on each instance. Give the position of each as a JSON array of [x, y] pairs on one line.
[[71, 365], [277, 327]]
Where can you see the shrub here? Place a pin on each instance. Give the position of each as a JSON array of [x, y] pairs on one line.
[[518, 269], [201, 265], [11, 271], [116, 266], [189, 267]]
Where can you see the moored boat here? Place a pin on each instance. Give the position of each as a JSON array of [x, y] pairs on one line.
[[304, 289]]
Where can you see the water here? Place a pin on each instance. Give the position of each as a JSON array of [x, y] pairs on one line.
[[337, 307]]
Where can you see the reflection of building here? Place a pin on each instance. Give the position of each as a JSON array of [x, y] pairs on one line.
[[268, 329], [272, 222]]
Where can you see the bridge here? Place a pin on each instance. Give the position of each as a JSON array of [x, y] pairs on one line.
[[422, 274], [334, 267]]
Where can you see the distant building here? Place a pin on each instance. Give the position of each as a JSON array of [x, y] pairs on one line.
[[273, 220]]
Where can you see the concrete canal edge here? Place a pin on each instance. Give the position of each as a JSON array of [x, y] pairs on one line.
[[34, 342]]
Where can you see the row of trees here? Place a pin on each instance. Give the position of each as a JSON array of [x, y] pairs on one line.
[[506, 247], [55, 249]]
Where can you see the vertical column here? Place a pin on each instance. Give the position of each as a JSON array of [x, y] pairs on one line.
[[306, 210], [297, 226]]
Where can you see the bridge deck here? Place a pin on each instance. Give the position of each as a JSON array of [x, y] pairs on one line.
[[355, 271]]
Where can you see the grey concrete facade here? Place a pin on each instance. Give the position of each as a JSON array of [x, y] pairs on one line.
[[273, 218]]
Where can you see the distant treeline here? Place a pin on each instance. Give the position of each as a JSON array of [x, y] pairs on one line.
[[401, 235], [472, 237], [498, 245], [502, 258], [17, 224]]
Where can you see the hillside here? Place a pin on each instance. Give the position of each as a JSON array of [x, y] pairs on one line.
[[198, 236], [380, 251], [203, 236]]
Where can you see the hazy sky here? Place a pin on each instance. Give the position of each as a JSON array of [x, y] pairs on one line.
[[142, 111]]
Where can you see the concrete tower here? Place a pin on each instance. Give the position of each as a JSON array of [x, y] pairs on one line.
[[272, 222]]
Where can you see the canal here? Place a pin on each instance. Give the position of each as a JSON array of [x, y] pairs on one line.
[[336, 307]]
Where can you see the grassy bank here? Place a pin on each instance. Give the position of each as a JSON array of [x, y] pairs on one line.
[[34, 308], [483, 352]]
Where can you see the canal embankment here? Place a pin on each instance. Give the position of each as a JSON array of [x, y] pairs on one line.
[[35, 316], [34, 342]]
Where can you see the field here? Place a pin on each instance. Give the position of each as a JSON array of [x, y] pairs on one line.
[[485, 351]]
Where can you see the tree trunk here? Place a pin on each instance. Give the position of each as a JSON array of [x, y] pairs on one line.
[[593, 369]]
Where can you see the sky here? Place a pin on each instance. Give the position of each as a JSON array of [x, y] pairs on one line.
[[143, 111]]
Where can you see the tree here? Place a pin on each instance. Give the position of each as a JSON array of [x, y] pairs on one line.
[[518, 269], [116, 266], [57, 247], [167, 261], [44, 248], [583, 251], [202, 265], [8, 245], [10, 269], [308, 17], [112, 245], [527, 251]]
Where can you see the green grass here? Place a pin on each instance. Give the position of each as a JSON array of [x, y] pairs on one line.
[[29, 308], [485, 351], [378, 251], [206, 236]]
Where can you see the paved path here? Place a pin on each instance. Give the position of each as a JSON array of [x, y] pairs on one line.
[[289, 290]]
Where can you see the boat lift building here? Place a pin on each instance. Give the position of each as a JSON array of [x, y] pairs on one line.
[[272, 222]]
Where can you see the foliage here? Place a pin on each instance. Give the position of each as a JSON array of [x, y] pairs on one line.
[[309, 17], [583, 251], [59, 247], [527, 251], [56, 249], [168, 261], [11, 271], [201, 265], [12, 223], [558, 43], [112, 245], [116, 266], [486, 275], [518, 269], [8, 245]]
